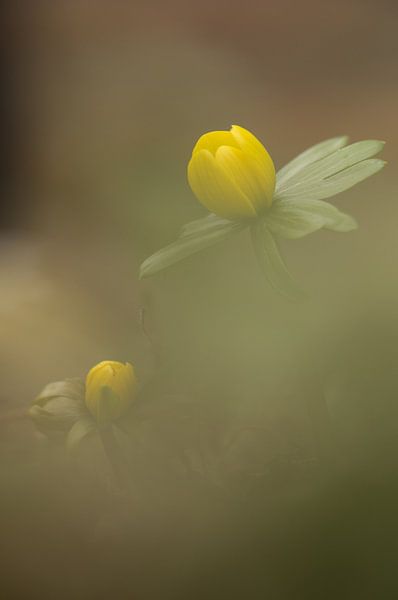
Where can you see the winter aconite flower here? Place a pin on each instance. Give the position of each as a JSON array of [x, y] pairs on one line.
[[110, 390], [233, 176], [74, 408]]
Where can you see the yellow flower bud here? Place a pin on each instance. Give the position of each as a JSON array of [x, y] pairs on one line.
[[110, 390], [232, 174]]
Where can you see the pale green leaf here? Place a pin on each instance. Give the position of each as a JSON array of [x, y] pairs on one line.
[[194, 237], [80, 430], [341, 181], [334, 163], [69, 388], [308, 157], [328, 167], [58, 414], [207, 224], [271, 262], [59, 406], [293, 220]]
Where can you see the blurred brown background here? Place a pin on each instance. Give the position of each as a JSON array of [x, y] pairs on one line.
[[102, 102]]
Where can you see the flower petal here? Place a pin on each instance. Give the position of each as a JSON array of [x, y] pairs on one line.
[[248, 175], [250, 144], [215, 190], [212, 140]]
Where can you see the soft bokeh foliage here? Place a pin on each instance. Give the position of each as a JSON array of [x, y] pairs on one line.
[[102, 104]]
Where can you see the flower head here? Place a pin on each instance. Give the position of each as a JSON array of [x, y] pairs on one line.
[[232, 174], [110, 390]]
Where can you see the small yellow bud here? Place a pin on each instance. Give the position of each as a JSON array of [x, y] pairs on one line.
[[110, 390], [232, 174]]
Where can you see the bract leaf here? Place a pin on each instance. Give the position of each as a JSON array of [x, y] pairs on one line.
[[272, 263], [293, 220], [195, 236], [308, 157]]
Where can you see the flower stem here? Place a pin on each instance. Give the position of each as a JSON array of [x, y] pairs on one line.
[[116, 459]]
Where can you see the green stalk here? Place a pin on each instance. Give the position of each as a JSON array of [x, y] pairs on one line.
[[116, 459]]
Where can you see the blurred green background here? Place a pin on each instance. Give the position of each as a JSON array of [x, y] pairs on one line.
[[102, 105]]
